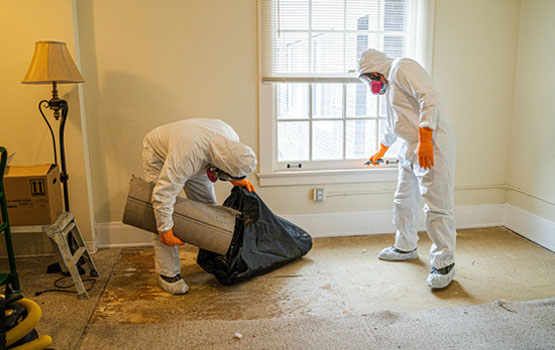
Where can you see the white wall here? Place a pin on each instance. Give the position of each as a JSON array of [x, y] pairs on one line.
[[532, 150]]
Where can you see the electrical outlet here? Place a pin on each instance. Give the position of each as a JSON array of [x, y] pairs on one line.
[[318, 194]]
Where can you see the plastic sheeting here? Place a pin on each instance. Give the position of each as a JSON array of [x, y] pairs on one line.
[[262, 241]]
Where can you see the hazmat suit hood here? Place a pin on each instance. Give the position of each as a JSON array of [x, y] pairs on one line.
[[233, 157], [372, 60]]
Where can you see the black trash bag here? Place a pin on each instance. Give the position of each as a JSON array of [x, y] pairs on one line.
[[262, 241]]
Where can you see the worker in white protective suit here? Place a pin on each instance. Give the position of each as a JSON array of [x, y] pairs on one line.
[[189, 154], [426, 160]]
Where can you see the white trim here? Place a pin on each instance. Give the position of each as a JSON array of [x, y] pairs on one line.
[[119, 235], [312, 80], [266, 130], [91, 245], [529, 194], [286, 178], [430, 43], [534, 227], [377, 222]]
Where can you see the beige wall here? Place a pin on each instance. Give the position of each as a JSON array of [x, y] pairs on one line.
[[153, 62], [149, 62], [532, 151], [474, 62], [22, 129]]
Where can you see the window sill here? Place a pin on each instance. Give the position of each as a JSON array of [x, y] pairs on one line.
[[322, 177]]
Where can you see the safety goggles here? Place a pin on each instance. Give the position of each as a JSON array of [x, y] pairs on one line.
[[369, 77], [374, 82], [215, 174]]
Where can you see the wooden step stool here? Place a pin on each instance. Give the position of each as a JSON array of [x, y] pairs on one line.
[[58, 233]]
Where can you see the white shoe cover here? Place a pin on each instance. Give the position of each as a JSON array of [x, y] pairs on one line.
[[394, 254], [438, 281], [175, 288]]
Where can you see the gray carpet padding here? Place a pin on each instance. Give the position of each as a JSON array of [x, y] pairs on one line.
[[498, 325], [210, 227]]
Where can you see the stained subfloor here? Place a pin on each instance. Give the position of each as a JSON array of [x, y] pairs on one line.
[[340, 277]]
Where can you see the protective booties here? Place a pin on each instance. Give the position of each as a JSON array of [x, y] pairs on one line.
[[440, 278], [394, 254], [173, 285]]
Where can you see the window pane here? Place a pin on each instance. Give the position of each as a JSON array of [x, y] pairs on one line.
[[361, 138], [293, 101], [293, 14], [293, 141], [327, 52], [327, 14], [327, 143], [362, 15], [360, 102], [394, 15], [394, 46], [328, 101], [383, 106], [291, 53], [357, 43]]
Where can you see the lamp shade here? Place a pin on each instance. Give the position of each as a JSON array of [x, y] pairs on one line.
[[52, 63]]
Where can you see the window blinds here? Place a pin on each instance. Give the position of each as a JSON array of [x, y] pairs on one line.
[[320, 40]]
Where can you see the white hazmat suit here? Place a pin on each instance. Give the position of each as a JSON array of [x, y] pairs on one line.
[[413, 103], [175, 157]]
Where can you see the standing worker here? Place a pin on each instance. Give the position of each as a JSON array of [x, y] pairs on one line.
[[190, 154], [426, 160]]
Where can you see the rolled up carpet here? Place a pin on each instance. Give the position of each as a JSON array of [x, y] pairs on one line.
[[209, 227]]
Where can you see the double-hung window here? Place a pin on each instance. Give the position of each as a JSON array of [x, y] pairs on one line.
[[314, 112]]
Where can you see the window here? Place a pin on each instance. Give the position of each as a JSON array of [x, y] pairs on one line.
[[314, 112]]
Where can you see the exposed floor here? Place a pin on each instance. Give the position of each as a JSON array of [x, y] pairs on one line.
[[339, 280]]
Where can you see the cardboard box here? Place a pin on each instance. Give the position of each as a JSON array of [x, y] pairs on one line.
[[33, 194]]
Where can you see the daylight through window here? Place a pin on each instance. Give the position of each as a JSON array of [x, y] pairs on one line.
[[309, 51]]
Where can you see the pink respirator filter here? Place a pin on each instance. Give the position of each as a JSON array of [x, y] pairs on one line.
[[376, 87]]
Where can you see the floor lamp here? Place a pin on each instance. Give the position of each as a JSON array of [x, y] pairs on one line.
[[52, 64]]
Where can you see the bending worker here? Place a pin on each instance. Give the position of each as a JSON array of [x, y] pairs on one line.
[[426, 160], [189, 154]]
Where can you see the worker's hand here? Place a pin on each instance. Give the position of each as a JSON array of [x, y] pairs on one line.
[[169, 239], [378, 155], [244, 183], [425, 148]]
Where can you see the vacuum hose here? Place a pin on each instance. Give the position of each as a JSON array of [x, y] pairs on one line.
[[24, 327]]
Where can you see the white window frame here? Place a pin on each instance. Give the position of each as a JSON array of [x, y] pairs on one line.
[[321, 172]]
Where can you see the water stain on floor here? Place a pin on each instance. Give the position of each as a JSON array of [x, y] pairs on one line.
[[341, 276]]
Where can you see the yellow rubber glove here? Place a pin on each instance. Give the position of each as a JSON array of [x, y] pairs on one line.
[[425, 148], [244, 183], [378, 154], [169, 239]]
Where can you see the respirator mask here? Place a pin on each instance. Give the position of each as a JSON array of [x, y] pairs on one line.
[[374, 81], [215, 174]]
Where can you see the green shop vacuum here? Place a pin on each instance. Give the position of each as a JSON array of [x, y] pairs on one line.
[[18, 315]]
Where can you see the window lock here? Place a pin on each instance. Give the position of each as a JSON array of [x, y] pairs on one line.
[[294, 165]]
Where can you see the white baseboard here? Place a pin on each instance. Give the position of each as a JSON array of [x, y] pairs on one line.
[[344, 223], [119, 235], [534, 227], [374, 222], [91, 246]]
